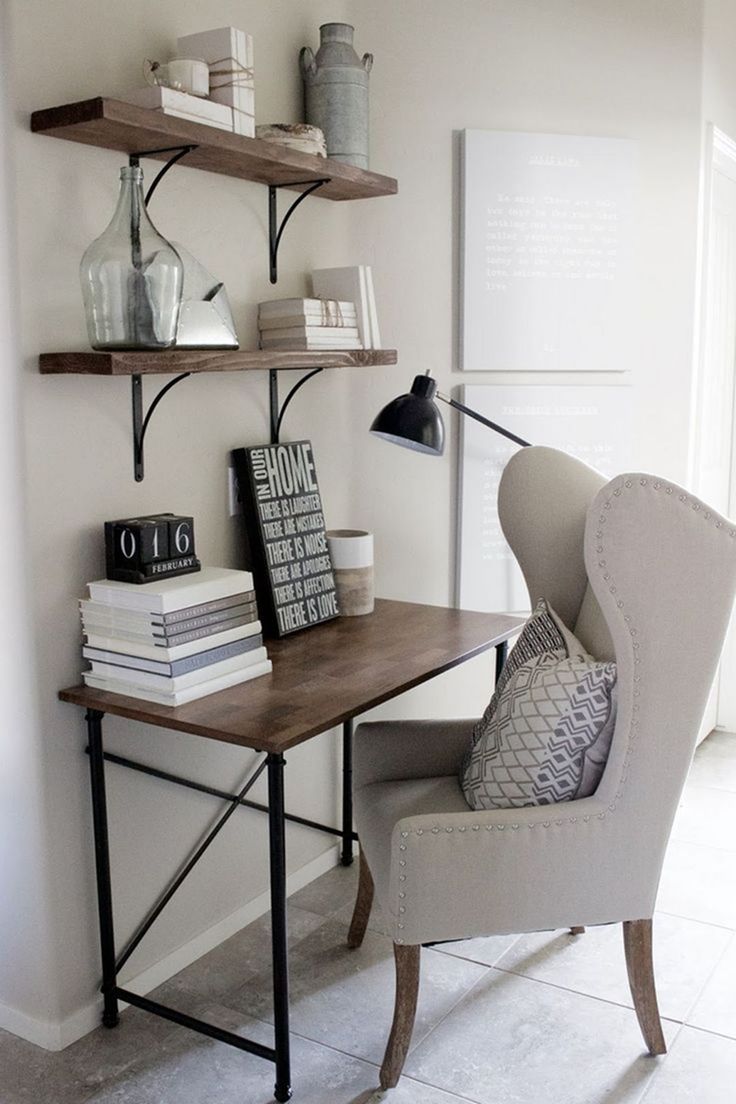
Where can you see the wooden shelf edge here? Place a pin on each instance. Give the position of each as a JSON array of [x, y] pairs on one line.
[[174, 361], [114, 124]]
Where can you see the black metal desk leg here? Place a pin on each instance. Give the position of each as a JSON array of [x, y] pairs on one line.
[[277, 848], [502, 651], [346, 855], [102, 861]]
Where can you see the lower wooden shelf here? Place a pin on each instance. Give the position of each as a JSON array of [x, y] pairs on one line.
[[173, 361]]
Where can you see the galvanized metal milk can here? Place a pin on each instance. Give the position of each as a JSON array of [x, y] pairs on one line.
[[336, 93]]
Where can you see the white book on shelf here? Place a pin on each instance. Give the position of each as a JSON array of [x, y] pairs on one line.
[[229, 55], [177, 697], [324, 321], [302, 307], [346, 284], [298, 344], [209, 584], [171, 101], [331, 333]]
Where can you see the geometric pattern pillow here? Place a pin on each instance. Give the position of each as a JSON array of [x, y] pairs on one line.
[[546, 733]]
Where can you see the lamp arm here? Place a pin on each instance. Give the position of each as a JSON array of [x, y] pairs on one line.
[[482, 420]]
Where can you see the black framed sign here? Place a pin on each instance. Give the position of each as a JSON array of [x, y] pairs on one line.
[[285, 527]]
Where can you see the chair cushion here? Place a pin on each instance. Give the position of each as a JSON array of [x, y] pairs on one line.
[[546, 733], [380, 805]]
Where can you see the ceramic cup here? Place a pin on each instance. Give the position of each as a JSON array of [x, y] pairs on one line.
[[351, 552]]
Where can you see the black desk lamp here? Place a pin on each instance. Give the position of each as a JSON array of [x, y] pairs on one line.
[[414, 421]]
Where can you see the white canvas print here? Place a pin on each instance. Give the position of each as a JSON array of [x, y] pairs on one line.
[[546, 252]]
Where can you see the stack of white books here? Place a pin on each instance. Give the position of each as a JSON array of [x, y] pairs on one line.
[[308, 324], [182, 105], [356, 284], [176, 640]]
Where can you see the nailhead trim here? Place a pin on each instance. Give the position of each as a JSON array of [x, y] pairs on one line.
[[634, 724]]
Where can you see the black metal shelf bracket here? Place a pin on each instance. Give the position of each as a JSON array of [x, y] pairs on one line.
[[140, 423], [178, 151], [276, 414], [275, 230]]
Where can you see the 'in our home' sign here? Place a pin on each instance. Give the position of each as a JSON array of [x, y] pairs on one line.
[[285, 524]]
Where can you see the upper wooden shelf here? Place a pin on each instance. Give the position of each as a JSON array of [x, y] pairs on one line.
[[173, 361], [115, 125]]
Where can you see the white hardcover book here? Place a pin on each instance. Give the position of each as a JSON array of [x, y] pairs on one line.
[[346, 284], [177, 697], [177, 651], [372, 312], [334, 322], [99, 617], [302, 344], [229, 55], [169, 684], [330, 333], [171, 668], [172, 594], [301, 307], [171, 101]]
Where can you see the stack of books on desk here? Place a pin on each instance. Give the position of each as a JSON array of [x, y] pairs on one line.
[[308, 324], [176, 640]]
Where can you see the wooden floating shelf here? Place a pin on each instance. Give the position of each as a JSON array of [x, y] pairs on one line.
[[174, 361], [113, 124]]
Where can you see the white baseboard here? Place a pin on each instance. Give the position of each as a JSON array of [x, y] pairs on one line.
[[41, 1032], [55, 1036]]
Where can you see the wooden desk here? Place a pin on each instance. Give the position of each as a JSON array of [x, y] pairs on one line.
[[321, 678]]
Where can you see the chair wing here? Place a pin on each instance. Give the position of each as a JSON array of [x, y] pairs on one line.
[[543, 500]]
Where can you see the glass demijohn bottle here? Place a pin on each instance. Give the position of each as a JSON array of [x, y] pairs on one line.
[[131, 277]]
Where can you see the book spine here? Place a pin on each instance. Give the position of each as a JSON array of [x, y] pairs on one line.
[[302, 344], [291, 307], [281, 321], [140, 600], [158, 652], [209, 607], [173, 641], [329, 333], [134, 676], [180, 697], [163, 632]]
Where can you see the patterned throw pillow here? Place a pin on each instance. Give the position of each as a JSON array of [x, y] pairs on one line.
[[546, 733]]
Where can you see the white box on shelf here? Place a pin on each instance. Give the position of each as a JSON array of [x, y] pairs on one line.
[[170, 101], [229, 54]]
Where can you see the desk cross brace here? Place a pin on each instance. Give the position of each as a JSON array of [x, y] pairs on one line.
[[112, 964]]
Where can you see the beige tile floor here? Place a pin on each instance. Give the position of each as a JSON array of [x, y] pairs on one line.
[[538, 1019]]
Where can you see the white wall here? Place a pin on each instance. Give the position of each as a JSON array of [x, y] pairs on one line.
[[24, 906], [631, 69]]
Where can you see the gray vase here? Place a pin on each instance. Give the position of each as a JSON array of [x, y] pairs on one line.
[[336, 93]]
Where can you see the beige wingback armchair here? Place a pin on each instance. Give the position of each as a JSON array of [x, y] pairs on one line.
[[643, 572]]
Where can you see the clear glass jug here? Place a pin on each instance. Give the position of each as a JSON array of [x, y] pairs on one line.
[[131, 277]]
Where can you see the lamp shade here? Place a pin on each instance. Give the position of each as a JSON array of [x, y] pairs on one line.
[[413, 420]]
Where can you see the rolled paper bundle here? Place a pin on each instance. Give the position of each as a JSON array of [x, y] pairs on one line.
[[296, 136], [351, 552]]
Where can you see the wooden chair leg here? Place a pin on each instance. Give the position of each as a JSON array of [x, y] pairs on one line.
[[363, 902], [577, 931], [640, 967], [407, 988]]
